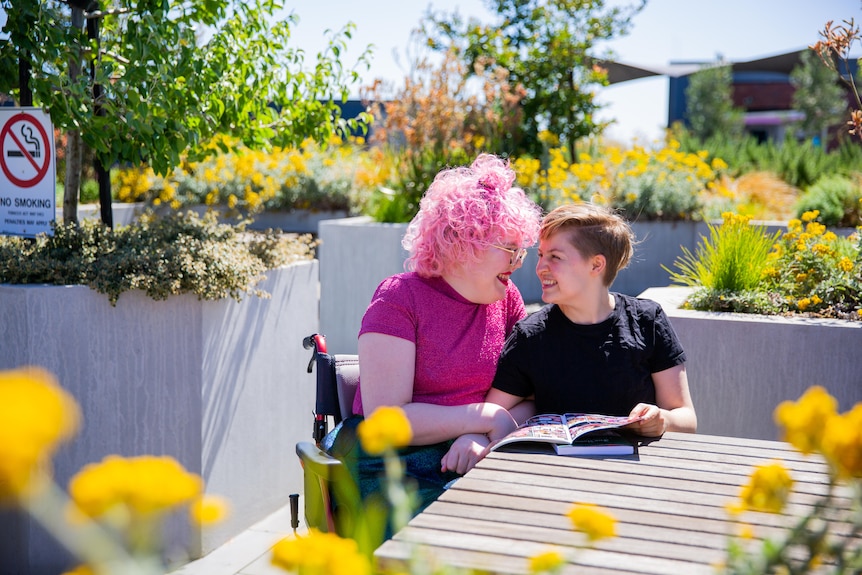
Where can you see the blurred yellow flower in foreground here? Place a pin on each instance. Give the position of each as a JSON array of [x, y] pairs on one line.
[[209, 509], [767, 488], [320, 554], [805, 420], [547, 562], [593, 521], [842, 443], [144, 484], [386, 428], [36, 414]]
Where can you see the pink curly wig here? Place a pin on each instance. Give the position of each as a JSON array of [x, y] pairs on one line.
[[466, 210]]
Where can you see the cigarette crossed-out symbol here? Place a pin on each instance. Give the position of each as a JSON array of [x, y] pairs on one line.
[[27, 134], [26, 151]]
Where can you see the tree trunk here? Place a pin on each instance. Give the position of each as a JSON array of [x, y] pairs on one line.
[[73, 176], [102, 173], [25, 94], [72, 182]]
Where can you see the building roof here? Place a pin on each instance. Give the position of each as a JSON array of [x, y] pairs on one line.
[[625, 71]]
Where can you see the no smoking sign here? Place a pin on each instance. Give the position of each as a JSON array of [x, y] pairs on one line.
[[27, 171]]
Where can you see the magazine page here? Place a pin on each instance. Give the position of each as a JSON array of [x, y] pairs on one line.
[[549, 428], [581, 423]]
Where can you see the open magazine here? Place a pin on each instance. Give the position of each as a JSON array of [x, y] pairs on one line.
[[575, 433]]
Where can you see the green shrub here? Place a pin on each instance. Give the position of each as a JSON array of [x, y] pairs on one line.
[[179, 253], [731, 260], [816, 271], [810, 270], [89, 192], [837, 199]]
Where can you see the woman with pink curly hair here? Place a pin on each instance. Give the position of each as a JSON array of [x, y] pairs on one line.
[[431, 336]]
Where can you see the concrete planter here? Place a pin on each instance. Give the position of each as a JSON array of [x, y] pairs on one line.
[[221, 386], [123, 213], [293, 221], [741, 366], [296, 221], [356, 254]]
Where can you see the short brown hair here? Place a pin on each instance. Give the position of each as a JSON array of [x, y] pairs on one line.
[[594, 230]]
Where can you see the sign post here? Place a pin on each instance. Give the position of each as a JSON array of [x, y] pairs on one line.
[[28, 174]]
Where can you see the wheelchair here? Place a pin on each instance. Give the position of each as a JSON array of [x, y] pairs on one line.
[[332, 502]]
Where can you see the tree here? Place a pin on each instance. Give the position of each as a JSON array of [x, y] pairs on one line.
[[166, 76], [710, 110], [818, 95], [545, 46]]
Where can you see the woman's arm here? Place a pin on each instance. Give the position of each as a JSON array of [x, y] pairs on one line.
[[387, 366], [674, 410], [520, 408]]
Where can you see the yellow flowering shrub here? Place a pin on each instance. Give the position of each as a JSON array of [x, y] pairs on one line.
[[806, 270], [546, 562], [815, 271], [592, 521], [116, 508], [663, 184], [143, 485], [36, 415], [767, 488], [827, 535], [339, 176], [320, 554], [387, 428]]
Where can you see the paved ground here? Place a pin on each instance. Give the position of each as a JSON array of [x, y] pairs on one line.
[[249, 552]]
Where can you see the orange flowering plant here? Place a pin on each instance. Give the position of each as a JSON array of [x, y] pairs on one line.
[[834, 46], [827, 538], [113, 515]]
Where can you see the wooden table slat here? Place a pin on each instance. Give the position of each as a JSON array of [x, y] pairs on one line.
[[669, 502]]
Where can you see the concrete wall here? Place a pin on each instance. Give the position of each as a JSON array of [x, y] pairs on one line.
[[221, 386], [741, 366]]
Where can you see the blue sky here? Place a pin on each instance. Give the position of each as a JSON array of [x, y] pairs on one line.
[[665, 31]]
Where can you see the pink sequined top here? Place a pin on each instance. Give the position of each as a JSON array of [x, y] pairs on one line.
[[457, 342]]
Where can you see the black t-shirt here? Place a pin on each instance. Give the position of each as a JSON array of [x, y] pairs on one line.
[[602, 368]]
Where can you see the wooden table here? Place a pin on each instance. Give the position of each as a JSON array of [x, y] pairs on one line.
[[668, 499]]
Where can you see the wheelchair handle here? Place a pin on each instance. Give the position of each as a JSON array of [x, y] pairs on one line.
[[317, 342]]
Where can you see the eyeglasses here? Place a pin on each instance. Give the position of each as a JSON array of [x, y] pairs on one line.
[[517, 255]]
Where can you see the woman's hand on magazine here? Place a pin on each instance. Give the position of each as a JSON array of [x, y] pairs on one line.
[[465, 452], [652, 423]]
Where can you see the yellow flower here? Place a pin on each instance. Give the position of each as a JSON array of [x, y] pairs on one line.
[[593, 521], [803, 303], [842, 443], [767, 488], [810, 216], [386, 428], [80, 570], [845, 264], [144, 484], [320, 554], [547, 562], [804, 421], [209, 509], [36, 414]]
